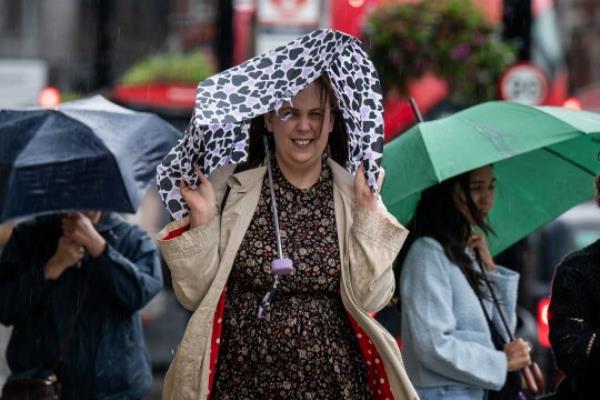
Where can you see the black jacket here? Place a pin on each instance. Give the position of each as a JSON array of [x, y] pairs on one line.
[[574, 317], [107, 357]]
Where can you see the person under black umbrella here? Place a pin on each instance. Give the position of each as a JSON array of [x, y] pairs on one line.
[[283, 257], [71, 285]]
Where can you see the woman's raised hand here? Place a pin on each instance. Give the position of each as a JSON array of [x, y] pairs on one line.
[[517, 354], [201, 201], [362, 192], [478, 243]]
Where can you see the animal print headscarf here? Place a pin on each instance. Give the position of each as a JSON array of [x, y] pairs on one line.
[[225, 103]]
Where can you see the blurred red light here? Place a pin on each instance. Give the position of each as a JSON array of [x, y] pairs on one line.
[[49, 97], [542, 317], [572, 103]]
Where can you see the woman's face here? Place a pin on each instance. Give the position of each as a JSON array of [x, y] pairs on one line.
[[482, 184], [301, 130]]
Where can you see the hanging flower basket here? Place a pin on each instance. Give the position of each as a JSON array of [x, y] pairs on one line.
[[449, 38]]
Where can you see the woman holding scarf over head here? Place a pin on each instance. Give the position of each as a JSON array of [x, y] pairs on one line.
[[452, 333], [314, 338]]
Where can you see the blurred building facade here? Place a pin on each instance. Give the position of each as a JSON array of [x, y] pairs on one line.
[[583, 24], [88, 44]]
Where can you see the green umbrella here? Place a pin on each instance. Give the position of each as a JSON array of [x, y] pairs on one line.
[[544, 159]]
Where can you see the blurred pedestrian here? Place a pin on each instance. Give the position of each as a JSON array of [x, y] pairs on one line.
[[316, 339], [453, 339], [575, 322], [71, 286]]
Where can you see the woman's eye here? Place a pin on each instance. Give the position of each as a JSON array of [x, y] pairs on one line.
[[316, 114], [285, 115]]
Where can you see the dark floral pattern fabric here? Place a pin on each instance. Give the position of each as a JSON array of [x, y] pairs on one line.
[[304, 346]]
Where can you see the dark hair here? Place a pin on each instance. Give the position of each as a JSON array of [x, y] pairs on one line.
[[436, 216], [338, 142]]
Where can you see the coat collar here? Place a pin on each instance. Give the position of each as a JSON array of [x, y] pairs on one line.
[[242, 181], [108, 221]]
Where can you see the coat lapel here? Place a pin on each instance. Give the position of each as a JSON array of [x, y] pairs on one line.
[[245, 188]]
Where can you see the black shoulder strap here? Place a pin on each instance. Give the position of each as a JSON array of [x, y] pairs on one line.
[[497, 338]]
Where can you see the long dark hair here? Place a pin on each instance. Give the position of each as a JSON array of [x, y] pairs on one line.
[[437, 217], [338, 138]]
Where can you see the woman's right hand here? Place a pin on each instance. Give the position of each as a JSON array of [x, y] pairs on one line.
[[67, 255], [201, 201], [517, 354]]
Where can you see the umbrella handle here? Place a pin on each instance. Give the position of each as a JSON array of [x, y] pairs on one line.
[[534, 380], [273, 199], [532, 374]]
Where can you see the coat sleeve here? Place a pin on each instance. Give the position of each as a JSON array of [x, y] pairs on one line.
[[193, 254], [131, 277], [192, 257], [427, 294], [574, 341], [506, 283], [374, 242], [22, 285]]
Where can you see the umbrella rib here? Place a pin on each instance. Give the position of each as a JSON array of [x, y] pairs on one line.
[[568, 160]]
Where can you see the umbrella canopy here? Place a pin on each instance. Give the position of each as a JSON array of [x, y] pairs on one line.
[[86, 155], [226, 102], [544, 160]]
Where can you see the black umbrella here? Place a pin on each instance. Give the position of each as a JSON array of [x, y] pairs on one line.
[[86, 155]]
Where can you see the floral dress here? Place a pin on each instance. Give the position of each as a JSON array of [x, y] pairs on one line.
[[304, 346]]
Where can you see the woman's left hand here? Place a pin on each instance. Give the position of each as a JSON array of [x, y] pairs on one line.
[[363, 194], [478, 244], [78, 228]]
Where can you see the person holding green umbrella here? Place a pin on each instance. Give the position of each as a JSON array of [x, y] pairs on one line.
[[544, 158], [453, 348]]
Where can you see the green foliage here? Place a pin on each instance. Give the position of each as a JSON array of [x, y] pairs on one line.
[[450, 38], [190, 68], [70, 96]]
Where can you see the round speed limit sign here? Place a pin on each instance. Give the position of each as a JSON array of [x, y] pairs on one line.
[[524, 83]]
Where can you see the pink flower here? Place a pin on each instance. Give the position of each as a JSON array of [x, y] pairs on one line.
[[460, 52], [408, 45], [478, 38]]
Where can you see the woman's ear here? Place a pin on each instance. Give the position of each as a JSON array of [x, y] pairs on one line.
[[269, 121]]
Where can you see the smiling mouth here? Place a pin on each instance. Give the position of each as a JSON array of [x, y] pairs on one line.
[[302, 142]]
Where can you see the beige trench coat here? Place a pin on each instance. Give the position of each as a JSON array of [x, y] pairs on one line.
[[200, 260]]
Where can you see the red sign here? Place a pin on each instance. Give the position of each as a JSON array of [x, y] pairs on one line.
[[157, 95], [288, 8], [288, 13], [348, 15]]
